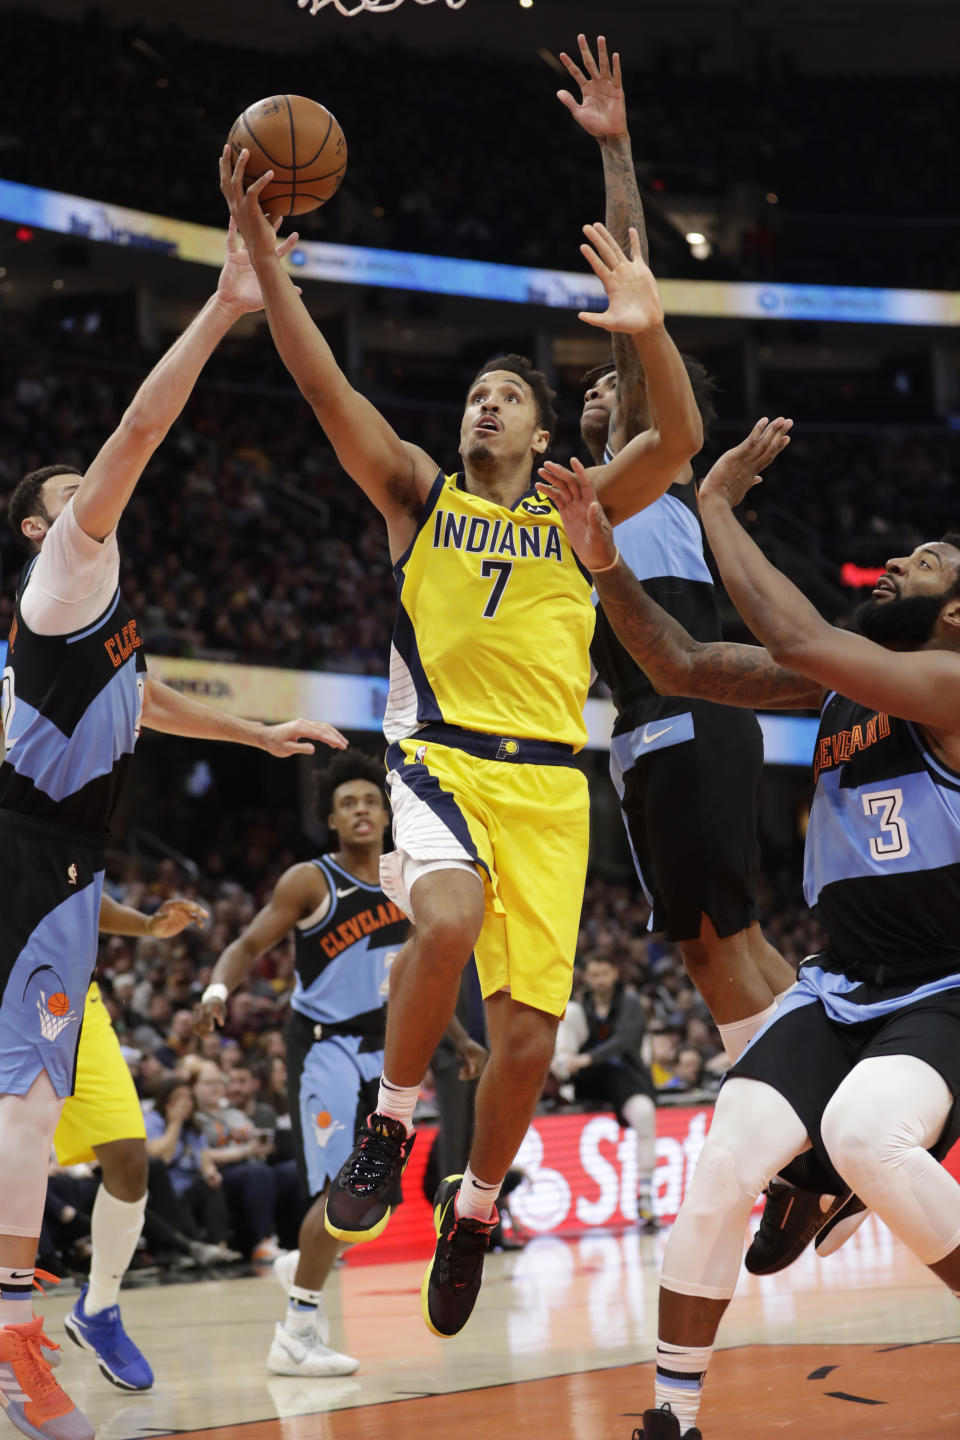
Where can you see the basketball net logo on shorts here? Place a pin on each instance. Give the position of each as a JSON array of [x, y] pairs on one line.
[[53, 1006], [325, 1127]]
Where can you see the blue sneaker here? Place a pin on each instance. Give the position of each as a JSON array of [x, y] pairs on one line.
[[103, 1334]]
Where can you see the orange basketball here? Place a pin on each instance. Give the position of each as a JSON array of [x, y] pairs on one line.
[[58, 1004], [301, 142]]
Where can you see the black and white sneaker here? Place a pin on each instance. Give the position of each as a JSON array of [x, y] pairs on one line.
[[791, 1218], [361, 1197]]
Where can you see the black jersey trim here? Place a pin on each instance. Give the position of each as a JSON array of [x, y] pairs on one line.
[[92, 629], [349, 875], [932, 761], [429, 505]]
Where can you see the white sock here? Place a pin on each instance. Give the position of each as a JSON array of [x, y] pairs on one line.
[[16, 1294], [737, 1035], [115, 1227], [681, 1370], [398, 1101], [475, 1199], [305, 1309]]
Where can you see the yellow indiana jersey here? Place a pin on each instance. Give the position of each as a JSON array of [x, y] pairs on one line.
[[494, 622]]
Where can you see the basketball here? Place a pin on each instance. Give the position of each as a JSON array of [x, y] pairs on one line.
[[301, 142], [58, 1004]]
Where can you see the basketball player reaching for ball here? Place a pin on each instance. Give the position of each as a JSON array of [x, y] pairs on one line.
[[75, 692], [687, 773], [347, 933], [489, 674], [861, 1062]]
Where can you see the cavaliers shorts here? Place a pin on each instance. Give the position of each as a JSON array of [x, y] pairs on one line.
[[333, 1086], [518, 810], [52, 884], [104, 1105], [805, 1055], [689, 788]]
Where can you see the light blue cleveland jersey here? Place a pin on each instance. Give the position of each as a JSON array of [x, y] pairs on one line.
[[344, 951], [882, 864], [663, 546], [71, 716]]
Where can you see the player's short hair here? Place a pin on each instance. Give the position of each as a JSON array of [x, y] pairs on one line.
[[27, 497], [702, 383], [351, 764], [952, 537], [543, 395]]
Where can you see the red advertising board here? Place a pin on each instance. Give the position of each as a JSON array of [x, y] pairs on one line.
[[582, 1175]]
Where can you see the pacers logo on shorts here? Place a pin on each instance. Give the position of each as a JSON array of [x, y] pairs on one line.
[[509, 750], [325, 1127], [52, 1001]]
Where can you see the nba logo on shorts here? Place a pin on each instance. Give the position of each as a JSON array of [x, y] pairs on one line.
[[72, 874], [419, 754], [53, 1003], [325, 1127]]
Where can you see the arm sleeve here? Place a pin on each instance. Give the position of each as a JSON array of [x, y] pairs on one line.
[[627, 1036], [73, 580]]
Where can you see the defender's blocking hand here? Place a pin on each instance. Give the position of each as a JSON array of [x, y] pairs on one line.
[[635, 304], [738, 470], [584, 518]]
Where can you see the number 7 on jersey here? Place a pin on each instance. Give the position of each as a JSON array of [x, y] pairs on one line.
[[501, 569]]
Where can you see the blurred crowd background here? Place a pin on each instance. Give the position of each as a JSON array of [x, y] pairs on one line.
[[245, 542]]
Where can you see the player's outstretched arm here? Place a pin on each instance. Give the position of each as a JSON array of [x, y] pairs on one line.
[[166, 710], [111, 478], [394, 474], [674, 662], [919, 685], [299, 891], [602, 112], [651, 462], [167, 920]]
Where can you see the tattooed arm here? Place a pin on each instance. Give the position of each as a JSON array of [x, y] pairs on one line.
[[674, 662], [602, 112]]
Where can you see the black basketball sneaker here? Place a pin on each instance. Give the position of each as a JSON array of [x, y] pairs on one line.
[[662, 1424], [361, 1197], [791, 1218], [452, 1282]]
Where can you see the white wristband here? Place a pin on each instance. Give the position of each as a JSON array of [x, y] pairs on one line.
[[602, 569], [216, 991]]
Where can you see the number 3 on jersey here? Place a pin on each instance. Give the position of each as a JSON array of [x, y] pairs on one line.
[[894, 843], [501, 569]]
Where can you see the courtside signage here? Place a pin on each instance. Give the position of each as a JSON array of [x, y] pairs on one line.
[[441, 275]]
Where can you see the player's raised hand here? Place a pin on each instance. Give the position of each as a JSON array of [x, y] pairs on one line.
[[238, 287], [635, 305], [293, 737], [175, 915], [738, 470], [584, 518], [601, 109], [207, 1015]]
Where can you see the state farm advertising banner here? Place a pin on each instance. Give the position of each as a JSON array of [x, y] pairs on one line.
[[581, 1174]]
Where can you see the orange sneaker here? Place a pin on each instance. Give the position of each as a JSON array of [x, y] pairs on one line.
[[32, 1399]]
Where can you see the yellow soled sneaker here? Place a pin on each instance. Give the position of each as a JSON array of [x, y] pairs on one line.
[[360, 1199], [29, 1394], [452, 1282]]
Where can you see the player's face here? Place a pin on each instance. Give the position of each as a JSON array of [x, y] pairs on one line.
[[909, 597], [500, 423], [359, 813], [597, 410], [58, 492]]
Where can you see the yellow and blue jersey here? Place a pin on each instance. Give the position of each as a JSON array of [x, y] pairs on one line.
[[494, 621]]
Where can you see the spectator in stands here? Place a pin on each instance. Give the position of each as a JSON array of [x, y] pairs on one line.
[[174, 1137], [181, 1040], [598, 1049]]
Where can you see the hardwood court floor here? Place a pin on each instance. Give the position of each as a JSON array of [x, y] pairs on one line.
[[560, 1346]]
